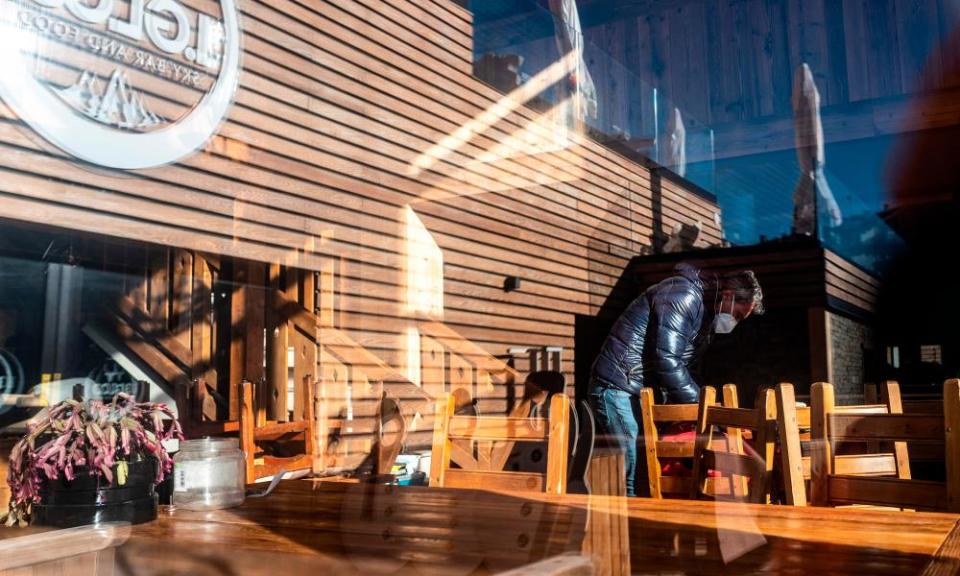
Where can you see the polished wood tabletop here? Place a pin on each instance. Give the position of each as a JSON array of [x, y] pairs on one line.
[[339, 528]]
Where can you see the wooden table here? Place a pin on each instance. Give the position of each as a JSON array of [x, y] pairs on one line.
[[334, 528]]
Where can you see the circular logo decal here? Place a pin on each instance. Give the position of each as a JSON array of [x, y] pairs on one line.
[[120, 83], [11, 373]]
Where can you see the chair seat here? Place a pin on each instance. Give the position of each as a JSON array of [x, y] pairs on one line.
[[680, 467]]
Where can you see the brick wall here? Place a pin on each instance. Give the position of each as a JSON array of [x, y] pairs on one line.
[[849, 339]]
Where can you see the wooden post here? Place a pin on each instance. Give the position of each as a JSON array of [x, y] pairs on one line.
[[790, 453], [135, 279], [201, 341], [182, 296], [308, 353], [951, 416], [277, 334], [185, 413], [247, 443], [822, 403], [292, 292], [238, 335], [304, 364], [199, 399], [254, 322], [309, 434], [158, 284]]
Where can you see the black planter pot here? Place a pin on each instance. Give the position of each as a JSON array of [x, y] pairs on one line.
[[91, 499]]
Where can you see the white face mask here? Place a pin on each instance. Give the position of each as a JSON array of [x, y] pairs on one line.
[[725, 322]]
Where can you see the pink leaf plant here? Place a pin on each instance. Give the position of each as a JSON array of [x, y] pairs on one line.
[[89, 437]]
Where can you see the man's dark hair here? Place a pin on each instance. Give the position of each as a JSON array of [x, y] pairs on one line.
[[745, 288]]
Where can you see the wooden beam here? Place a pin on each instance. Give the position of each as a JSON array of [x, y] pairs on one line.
[[254, 320], [202, 336], [181, 286], [152, 330], [172, 374], [238, 336], [276, 350], [951, 414]]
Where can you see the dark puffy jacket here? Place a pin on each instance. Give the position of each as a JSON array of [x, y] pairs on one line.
[[656, 339]]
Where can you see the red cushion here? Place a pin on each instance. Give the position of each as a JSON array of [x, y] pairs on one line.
[[680, 432]]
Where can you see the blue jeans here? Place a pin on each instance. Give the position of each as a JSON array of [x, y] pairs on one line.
[[618, 415]]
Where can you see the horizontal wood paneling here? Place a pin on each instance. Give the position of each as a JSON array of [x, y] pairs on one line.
[[802, 274], [337, 104]]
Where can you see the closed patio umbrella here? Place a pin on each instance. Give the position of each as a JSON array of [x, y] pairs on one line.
[[581, 91], [812, 187], [677, 149]]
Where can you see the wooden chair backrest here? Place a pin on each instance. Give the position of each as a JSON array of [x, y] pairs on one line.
[[748, 474], [794, 425], [451, 431], [912, 403], [834, 477], [653, 414], [256, 432]]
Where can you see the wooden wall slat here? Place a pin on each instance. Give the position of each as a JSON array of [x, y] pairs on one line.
[[336, 103]]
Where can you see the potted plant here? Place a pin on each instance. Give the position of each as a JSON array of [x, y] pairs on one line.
[[90, 461]]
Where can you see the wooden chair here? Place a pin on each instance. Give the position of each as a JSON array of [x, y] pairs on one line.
[[924, 455], [603, 533], [452, 430], [912, 403], [259, 437], [748, 472], [834, 479], [794, 425], [656, 448], [539, 388]]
